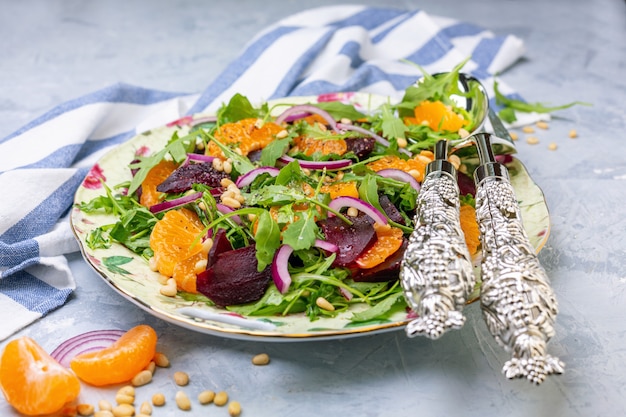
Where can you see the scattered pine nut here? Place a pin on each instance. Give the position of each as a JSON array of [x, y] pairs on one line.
[[124, 399], [261, 359], [104, 405], [145, 408], [161, 360], [84, 409], [324, 304], [282, 134], [231, 202], [182, 401], [142, 378], [528, 129], [542, 125], [402, 143], [552, 146], [234, 408], [573, 134], [150, 367], [181, 378], [206, 397], [532, 140], [158, 399], [127, 390], [514, 136], [123, 410], [221, 398]]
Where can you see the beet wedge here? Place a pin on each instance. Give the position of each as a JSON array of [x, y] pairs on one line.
[[352, 240], [233, 278], [186, 175]]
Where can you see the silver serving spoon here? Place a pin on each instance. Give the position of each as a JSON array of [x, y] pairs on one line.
[[436, 272]]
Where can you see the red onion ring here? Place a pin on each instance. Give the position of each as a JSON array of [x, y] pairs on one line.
[[225, 210], [248, 177], [398, 174], [328, 165], [85, 342], [377, 138], [177, 202], [347, 201], [304, 110], [280, 264]]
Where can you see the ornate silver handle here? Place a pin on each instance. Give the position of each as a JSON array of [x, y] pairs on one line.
[[436, 272], [518, 304]]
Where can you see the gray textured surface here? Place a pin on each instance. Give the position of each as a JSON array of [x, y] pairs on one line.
[[53, 51]]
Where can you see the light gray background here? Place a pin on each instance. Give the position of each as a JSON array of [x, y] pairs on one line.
[[53, 51]]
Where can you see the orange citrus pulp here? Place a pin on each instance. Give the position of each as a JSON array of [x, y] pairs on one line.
[[437, 116], [32, 381], [149, 194], [388, 241], [247, 134], [121, 361], [470, 228]]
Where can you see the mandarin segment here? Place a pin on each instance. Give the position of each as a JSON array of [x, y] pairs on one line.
[[341, 189], [388, 241], [121, 361], [247, 134], [32, 381], [149, 194], [437, 116], [415, 166], [469, 225], [325, 146]]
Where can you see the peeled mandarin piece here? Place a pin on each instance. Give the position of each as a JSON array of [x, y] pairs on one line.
[[438, 116], [149, 194], [388, 241], [32, 381], [121, 361], [470, 228]]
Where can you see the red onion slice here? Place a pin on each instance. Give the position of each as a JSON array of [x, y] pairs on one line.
[[196, 157], [398, 174], [328, 165], [280, 264], [85, 342], [225, 210], [377, 138], [248, 177], [177, 202], [346, 201], [304, 110]]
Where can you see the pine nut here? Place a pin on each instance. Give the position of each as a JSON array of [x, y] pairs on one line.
[[234, 408], [423, 158], [532, 140], [145, 408], [352, 212], [282, 134], [228, 194], [182, 401], [528, 129], [552, 146], [124, 399], [152, 264], [415, 174], [258, 123], [161, 278], [428, 154], [221, 398], [324, 304], [124, 410], [200, 266], [169, 289], [206, 397], [150, 367], [455, 161], [181, 378], [104, 405], [161, 360], [207, 244], [346, 121], [261, 359], [142, 378], [84, 409], [158, 399], [225, 182], [402, 143], [228, 167], [103, 413], [514, 136], [542, 125], [217, 164], [573, 134], [127, 390], [231, 202]]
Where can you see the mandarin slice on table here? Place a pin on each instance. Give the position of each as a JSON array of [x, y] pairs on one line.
[[175, 238], [149, 194], [121, 361], [32, 381], [388, 241], [437, 116]]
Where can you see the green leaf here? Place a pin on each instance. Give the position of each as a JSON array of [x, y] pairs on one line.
[[273, 151], [238, 108], [113, 264], [340, 110], [381, 310], [267, 239], [392, 126], [301, 234]]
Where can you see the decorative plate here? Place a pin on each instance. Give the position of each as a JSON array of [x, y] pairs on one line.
[[129, 274]]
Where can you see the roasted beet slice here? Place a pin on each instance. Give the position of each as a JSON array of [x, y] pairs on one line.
[[389, 270], [390, 209], [361, 147], [352, 239], [220, 244], [233, 278], [466, 184], [185, 176]]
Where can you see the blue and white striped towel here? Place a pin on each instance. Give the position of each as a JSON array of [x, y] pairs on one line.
[[330, 49]]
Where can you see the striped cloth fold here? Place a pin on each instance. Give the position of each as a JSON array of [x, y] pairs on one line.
[[323, 50]]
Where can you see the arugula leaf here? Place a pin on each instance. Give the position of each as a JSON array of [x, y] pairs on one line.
[[301, 233], [512, 105], [238, 108], [272, 195], [341, 110], [392, 126], [267, 239], [273, 151], [382, 309]]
